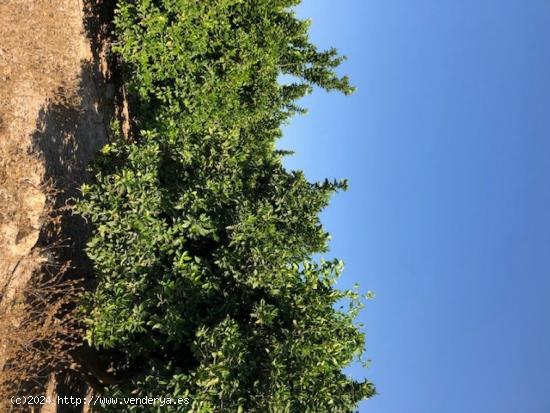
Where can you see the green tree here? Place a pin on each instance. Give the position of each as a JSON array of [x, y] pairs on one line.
[[202, 241]]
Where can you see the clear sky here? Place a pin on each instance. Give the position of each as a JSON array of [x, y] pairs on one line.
[[447, 148]]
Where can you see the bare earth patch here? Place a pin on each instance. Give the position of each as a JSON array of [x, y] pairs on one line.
[[52, 120], [42, 46]]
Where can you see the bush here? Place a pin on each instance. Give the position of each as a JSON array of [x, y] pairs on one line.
[[202, 241]]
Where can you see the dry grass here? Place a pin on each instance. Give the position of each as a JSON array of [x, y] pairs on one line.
[[37, 329], [43, 49], [39, 40]]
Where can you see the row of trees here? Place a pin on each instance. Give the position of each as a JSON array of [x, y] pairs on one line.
[[203, 242]]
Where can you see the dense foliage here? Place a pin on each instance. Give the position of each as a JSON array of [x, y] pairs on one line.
[[202, 241]]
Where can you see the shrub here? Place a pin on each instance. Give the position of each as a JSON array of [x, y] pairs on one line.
[[202, 241]]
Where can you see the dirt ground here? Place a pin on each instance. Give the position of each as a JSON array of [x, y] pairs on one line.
[[55, 105], [51, 122]]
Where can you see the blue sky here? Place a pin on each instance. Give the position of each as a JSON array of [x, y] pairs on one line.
[[447, 148]]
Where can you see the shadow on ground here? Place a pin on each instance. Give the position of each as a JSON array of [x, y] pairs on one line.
[[70, 129]]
